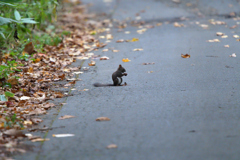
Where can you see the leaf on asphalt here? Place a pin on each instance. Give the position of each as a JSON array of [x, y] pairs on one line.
[[40, 139], [204, 26], [219, 34], [150, 72], [225, 36], [109, 36], [14, 132], [78, 72], [69, 84], [127, 32], [233, 55], [214, 40], [29, 48], [148, 63], [234, 26], [159, 24], [120, 41], [103, 119], [176, 24], [104, 58], [66, 117], [62, 135], [115, 50], [141, 31], [235, 36], [36, 120], [104, 50], [134, 40], [137, 49], [185, 55], [27, 122], [126, 60], [92, 63], [111, 146], [226, 46]]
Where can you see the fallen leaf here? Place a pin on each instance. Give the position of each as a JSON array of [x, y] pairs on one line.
[[13, 81], [148, 63], [62, 135], [77, 72], [138, 49], [185, 55], [66, 117], [234, 26], [204, 26], [150, 72], [25, 98], [233, 55], [40, 139], [127, 32], [120, 41], [214, 40], [219, 34], [102, 119], [115, 50], [110, 146], [27, 122], [104, 58], [92, 63], [226, 46], [159, 24], [134, 40], [126, 60], [235, 36], [14, 132], [104, 50], [238, 40], [176, 24], [109, 36], [225, 36]]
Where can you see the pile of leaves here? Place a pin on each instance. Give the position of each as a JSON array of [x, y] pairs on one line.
[[26, 82]]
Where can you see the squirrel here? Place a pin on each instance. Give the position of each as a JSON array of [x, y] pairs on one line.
[[116, 77]]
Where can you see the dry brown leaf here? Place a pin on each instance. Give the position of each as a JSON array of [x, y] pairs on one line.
[[66, 117], [110, 146], [120, 41], [115, 50], [13, 81], [104, 58], [219, 34], [225, 36], [103, 119], [185, 55], [226, 46], [14, 132], [234, 26], [40, 139], [138, 49], [104, 50], [235, 36], [92, 63], [109, 36], [176, 24]]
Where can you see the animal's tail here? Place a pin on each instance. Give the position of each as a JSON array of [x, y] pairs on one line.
[[102, 85]]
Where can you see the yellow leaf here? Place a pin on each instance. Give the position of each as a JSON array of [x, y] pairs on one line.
[[126, 60], [134, 39]]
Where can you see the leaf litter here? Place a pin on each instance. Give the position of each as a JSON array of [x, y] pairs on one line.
[[37, 76]]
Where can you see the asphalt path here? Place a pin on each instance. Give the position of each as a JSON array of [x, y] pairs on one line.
[[174, 109]]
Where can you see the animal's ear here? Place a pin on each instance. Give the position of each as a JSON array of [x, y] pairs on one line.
[[120, 65]]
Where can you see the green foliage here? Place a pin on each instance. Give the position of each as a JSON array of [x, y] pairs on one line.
[[7, 69], [12, 120], [18, 18]]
